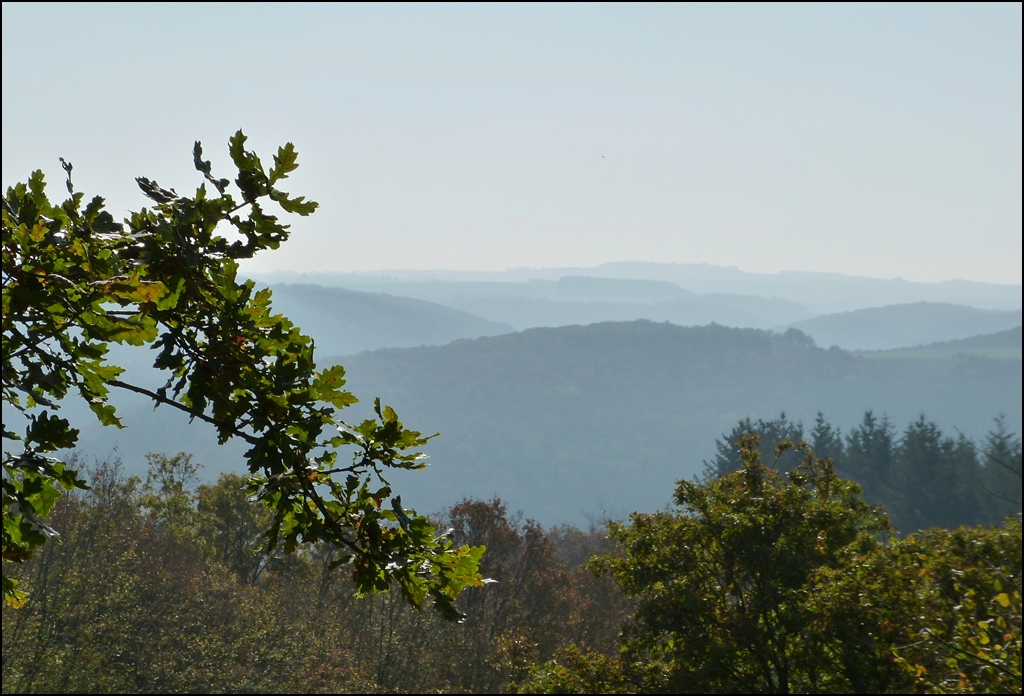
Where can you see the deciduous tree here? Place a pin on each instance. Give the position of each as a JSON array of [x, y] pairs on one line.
[[763, 582]]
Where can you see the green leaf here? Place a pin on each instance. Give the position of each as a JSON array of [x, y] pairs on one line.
[[285, 162], [105, 413], [51, 433]]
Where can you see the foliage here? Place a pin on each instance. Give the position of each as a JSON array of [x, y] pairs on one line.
[[923, 477], [723, 584], [760, 582], [149, 594], [951, 601], [132, 602], [76, 281], [573, 671], [728, 456]]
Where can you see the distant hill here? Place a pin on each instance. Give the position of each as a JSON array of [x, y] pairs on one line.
[[820, 293], [1011, 338], [1004, 344], [561, 288], [564, 423], [695, 310], [586, 300], [904, 325], [346, 321], [590, 289]]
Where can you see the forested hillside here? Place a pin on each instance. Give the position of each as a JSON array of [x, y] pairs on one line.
[[615, 412], [1009, 339]]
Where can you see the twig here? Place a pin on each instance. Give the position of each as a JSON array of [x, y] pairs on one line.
[[181, 407]]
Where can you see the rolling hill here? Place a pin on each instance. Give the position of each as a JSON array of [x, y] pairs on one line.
[[819, 293], [585, 420], [905, 325], [574, 300], [1003, 344], [697, 310], [572, 421], [348, 321]]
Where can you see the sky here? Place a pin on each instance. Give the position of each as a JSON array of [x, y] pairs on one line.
[[875, 140]]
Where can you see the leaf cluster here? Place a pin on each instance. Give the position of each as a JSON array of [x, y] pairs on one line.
[[724, 579], [75, 281]]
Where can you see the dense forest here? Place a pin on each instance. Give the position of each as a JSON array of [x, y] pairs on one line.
[[923, 477], [158, 585]]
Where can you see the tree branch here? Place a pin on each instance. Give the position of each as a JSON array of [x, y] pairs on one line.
[[310, 491], [160, 399]]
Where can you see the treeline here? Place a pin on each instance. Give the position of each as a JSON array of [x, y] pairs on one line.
[[922, 476], [158, 587], [760, 578]]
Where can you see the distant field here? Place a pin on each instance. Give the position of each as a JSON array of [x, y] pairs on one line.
[[928, 352]]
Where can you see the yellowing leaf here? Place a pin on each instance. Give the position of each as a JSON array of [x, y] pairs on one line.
[[38, 232]]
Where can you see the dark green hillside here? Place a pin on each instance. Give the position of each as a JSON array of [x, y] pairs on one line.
[[567, 422], [349, 321], [905, 325]]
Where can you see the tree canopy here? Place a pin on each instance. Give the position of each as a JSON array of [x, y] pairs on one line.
[[764, 582], [75, 281], [181, 605]]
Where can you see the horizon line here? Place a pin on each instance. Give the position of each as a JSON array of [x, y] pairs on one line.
[[549, 269]]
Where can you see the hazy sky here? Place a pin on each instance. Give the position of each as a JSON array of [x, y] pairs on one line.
[[871, 140]]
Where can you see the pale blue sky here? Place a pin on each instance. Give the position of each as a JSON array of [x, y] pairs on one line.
[[871, 140]]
